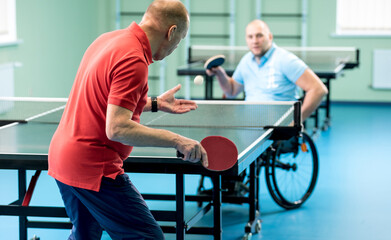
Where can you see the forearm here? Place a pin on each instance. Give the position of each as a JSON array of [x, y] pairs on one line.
[[314, 90], [134, 134], [121, 128], [227, 84], [311, 102]]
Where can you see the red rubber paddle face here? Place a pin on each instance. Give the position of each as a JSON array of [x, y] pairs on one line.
[[222, 152]]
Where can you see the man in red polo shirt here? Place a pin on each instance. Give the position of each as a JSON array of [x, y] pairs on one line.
[[101, 122]]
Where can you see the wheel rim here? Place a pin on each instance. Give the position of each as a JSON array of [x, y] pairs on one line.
[[291, 179]]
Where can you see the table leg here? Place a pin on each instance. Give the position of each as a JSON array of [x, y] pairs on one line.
[[252, 193], [217, 215], [22, 192], [254, 223], [327, 121], [180, 207], [208, 87]]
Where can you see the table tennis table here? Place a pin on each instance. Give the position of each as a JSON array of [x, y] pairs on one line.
[[328, 63], [24, 143]]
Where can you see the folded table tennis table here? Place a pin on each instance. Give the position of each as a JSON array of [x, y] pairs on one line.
[[328, 63], [24, 143]]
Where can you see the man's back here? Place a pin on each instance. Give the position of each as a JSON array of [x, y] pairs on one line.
[[114, 70]]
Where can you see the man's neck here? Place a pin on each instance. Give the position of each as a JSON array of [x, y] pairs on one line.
[[258, 57]]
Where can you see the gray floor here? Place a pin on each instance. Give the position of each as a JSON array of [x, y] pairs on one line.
[[351, 199]]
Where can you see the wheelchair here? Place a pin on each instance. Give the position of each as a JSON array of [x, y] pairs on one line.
[[291, 171]]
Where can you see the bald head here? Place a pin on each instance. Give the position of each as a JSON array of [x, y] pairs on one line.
[[258, 37], [165, 23], [166, 13], [258, 24]]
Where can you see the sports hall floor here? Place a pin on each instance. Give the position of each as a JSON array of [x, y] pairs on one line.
[[351, 200]]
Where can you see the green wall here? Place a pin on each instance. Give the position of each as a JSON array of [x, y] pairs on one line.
[[56, 33]]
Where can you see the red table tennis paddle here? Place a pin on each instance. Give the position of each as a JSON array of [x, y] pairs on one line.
[[222, 153], [214, 61]]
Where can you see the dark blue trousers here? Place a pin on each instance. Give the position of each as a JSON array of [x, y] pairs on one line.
[[118, 208]]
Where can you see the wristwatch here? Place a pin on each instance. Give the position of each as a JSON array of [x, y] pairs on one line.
[[154, 104]]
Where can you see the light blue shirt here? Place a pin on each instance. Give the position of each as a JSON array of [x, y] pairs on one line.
[[274, 79]]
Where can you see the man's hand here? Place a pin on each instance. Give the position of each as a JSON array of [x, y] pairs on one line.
[[168, 103], [230, 87], [214, 71], [192, 151]]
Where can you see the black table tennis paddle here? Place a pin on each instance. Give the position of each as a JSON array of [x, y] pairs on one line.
[[222, 153], [214, 61]]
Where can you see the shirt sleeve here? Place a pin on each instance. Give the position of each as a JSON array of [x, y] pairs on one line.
[[292, 67], [129, 79]]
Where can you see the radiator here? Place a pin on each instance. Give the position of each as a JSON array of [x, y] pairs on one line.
[[381, 69]]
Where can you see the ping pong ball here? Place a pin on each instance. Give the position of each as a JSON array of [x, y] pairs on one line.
[[198, 80]]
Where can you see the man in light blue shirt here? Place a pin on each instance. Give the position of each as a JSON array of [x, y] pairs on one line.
[[270, 73]]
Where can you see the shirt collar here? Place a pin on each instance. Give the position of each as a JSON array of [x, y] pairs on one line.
[[270, 51], [142, 37], [267, 55]]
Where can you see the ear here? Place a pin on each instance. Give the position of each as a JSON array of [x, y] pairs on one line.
[[171, 32], [270, 36]]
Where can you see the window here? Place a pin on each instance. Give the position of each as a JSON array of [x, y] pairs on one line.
[[363, 17], [7, 21]]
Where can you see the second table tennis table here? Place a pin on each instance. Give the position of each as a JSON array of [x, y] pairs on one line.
[[328, 63], [24, 144]]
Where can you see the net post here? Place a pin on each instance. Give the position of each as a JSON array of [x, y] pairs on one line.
[[297, 115], [358, 57], [286, 132]]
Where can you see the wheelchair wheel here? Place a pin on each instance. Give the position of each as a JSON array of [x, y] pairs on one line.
[[291, 175]]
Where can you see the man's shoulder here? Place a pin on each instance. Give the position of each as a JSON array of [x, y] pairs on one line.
[[283, 52], [120, 41], [284, 56]]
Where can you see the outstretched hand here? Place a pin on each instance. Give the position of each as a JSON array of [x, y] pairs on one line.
[[168, 102]]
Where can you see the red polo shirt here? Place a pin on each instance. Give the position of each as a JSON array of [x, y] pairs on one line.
[[114, 70]]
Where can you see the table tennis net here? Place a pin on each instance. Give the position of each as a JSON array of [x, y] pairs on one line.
[[226, 114], [15, 109], [210, 114], [314, 55]]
